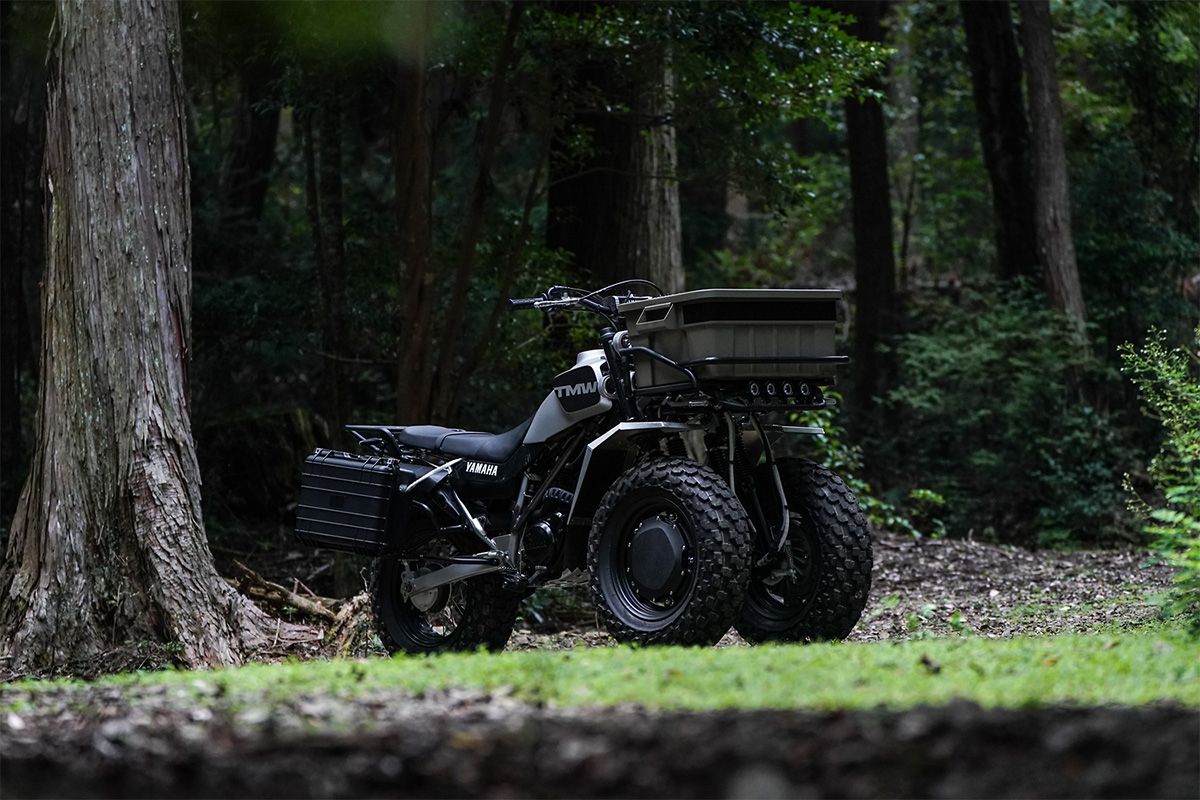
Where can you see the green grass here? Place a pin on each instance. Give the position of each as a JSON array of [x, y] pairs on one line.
[[1146, 666]]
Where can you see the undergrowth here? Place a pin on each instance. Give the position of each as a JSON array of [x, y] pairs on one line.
[[1170, 386]]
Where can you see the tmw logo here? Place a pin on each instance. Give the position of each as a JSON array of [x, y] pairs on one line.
[[587, 387], [476, 468]]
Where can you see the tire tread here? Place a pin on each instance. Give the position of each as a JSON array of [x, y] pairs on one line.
[[724, 535]]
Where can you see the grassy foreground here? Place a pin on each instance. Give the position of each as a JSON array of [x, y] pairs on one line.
[[1120, 668]]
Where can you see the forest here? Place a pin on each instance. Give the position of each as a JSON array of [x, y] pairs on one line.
[[232, 228]]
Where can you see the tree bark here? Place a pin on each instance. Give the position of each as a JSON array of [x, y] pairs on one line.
[[650, 240], [617, 210], [1051, 187], [412, 157], [875, 298], [108, 542], [1003, 131]]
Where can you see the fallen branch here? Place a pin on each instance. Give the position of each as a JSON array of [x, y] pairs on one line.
[[259, 589]]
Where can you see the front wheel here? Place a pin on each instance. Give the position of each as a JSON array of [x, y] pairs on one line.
[[669, 554], [817, 588]]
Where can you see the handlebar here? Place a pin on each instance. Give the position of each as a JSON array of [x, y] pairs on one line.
[[565, 298]]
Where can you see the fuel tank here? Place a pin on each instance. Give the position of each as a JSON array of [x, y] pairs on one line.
[[579, 393]]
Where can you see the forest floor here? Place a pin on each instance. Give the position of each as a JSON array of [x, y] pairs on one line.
[[977, 671], [922, 587]]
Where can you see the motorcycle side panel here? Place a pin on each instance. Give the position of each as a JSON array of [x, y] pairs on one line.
[[578, 395]]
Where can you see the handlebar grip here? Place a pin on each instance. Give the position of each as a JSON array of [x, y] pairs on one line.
[[523, 302]]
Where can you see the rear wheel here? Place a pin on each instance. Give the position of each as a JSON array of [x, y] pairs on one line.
[[817, 588], [669, 554], [477, 612]]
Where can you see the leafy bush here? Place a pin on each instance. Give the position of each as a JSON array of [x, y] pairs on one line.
[[1170, 386], [834, 450], [986, 414]]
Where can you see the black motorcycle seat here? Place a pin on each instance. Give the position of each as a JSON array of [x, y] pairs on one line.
[[495, 447]]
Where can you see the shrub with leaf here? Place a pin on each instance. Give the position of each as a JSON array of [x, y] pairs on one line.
[[1169, 382], [834, 450], [986, 413]]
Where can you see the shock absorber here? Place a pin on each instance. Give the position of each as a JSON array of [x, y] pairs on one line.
[[741, 463]]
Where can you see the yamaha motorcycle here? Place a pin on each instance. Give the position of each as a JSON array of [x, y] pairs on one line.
[[648, 473]]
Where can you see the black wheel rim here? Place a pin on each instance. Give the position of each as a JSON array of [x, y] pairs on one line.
[[429, 620], [436, 625], [648, 596], [778, 601]]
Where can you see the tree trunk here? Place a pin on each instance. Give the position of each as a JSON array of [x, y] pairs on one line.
[[585, 191], [1051, 188], [617, 210], [323, 180], [650, 239], [323, 183], [412, 157], [875, 300], [251, 154], [451, 350], [1003, 131], [108, 542]]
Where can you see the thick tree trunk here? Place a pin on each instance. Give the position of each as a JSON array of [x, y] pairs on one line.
[[1003, 131], [108, 543], [1051, 187], [412, 157], [650, 240], [617, 211], [875, 299]]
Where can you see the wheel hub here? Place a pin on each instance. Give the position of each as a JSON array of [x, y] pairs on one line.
[[428, 600], [657, 554]]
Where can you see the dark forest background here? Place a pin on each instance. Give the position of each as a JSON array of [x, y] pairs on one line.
[[370, 182]]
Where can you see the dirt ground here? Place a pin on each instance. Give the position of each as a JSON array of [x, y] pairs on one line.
[[940, 587], [146, 742]]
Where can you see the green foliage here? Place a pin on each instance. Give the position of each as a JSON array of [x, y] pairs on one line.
[[986, 412], [835, 451], [1169, 383], [1132, 257], [940, 191], [741, 73], [1122, 668], [812, 230]]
